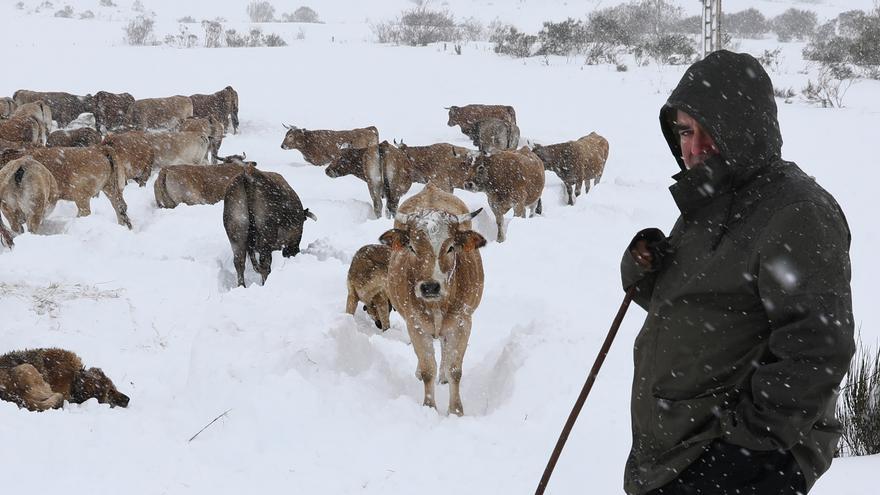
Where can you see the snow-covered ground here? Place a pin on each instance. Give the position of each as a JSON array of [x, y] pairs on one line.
[[320, 402]]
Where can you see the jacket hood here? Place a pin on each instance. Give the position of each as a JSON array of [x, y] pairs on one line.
[[731, 96]]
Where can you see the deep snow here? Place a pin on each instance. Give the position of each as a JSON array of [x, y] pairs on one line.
[[321, 402]]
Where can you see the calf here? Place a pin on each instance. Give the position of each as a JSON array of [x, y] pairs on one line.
[[322, 146], [576, 162], [195, 184], [65, 106], [510, 179], [81, 173], [28, 193], [40, 379], [261, 214], [222, 106], [159, 113], [110, 110], [435, 281], [84, 136], [367, 282]]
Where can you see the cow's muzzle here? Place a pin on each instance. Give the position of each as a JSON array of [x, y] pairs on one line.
[[429, 289], [470, 186]]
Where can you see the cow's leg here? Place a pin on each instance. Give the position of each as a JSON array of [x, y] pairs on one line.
[[536, 208], [34, 392], [423, 344], [265, 266], [444, 362], [499, 212], [239, 256], [519, 210], [376, 196], [36, 218], [83, 206], [13, 217], [114, 194], [586, 186], [352, 301], [457, 331], [569, 196]]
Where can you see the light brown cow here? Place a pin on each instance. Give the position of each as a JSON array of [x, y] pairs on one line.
[[138, 153], [65, 106], [7, 107], [441, 164], [576, 162], [159, 113], [84, 136], [111, 109], [491, 135], [466, 117], [367, 282], [132, 154], [195, 184], [81, 173], [28, 193], [362, 163], [510, 179], [222, 106], [435, 281], [321, 146], [209, 126], [41, 113], [22, 129]]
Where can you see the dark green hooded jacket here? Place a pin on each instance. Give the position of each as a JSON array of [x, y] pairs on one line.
[[749, 328]]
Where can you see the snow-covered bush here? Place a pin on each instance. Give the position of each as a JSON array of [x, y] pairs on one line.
[[852, 38], [510, 41], [302, 14], [794, 24], [183, 39], [830, 87], [106, 3], [670, 49], [88, 14], [213, 33], [187, 20], [66, 12], [138, 6], [562, 38], [418, 27], [859, 405], [261, 11], [749, 23], [139, 30]]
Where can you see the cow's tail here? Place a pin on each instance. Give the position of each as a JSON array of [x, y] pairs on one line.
[[309, 214], [161, 191], [248, 201], [19, 175], [117, 172]]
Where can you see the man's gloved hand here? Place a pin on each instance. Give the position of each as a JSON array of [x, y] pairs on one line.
[[648, 248]]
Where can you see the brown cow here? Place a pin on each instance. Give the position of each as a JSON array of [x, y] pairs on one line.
[[222, 105], [28, 193], [367, 281], [40, 379], [84, 136], [65, 106], [81, 173], [321, 146], [159, 113], [137, 153], [261, 214], [466, 117], [209, 126], [196, 184], [7, 107], [442, 164], [435, 281], [364, 164], [576, 162], [41, 113], [22, 129], [110, 110], [510, 179]]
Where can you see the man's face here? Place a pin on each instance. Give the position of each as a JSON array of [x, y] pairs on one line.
[[696, 144]]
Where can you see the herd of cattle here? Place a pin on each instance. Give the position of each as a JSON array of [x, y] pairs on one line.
[[427, 267]]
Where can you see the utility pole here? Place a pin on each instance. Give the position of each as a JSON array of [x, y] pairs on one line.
[[711, 27]]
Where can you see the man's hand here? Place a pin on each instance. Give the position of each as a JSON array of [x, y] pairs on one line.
[[648, 248]]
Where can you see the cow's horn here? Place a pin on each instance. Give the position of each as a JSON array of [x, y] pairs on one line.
[[285, 125], [447, 108], [466, 217], [401, 217], [243, 155]]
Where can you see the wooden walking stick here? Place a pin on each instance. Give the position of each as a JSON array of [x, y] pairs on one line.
[[579, 404]]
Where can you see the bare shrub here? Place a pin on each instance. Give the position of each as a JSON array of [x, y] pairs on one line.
[[261, 11], [66, 12], [472, 30], [106, 3], [254, 38], [19, 6], [183, 39], [187, 20], [510, 41], [852, 38], [418, 27], [88, 14], [139, 31], [770, 59], [138, 6], [749, 23], [858, 407], [794, 24], [274, 40], [213, 33], [786, 94], [670, 49], [235, 40], [831, 86], [562, 38]]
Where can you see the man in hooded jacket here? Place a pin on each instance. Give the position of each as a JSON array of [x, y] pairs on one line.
[[749, 329]]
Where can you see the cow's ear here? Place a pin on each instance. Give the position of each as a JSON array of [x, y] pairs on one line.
[[395, 239], [469, 240]]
